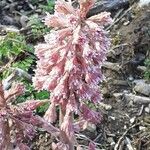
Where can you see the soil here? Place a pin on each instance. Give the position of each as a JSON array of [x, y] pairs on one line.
[[125, 124]]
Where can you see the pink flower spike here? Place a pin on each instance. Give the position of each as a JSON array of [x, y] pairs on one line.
[[85, 6], [69, 66], [92, 146], [64, 7], [67, 127], [56, 21], [16, 90], [31, 105], [50, 115], [90, 115], [101, 19]]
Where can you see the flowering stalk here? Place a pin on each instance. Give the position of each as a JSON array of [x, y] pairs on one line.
[[69, 66], [17, 122]]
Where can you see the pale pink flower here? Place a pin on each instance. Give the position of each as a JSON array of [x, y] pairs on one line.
[[101, 19], [64, 8], [92, 146], [31, 104], [85, 6], [16, 90], [19, 116], [70, 61], [90, 115], [72, 105], [50, 115], [58, 20], [67, 127]]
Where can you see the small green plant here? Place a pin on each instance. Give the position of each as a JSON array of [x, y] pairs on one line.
[[49, 7], [38, 29], [42, 95], [147, 72], [33, 2], [12, 44], [33, 94], [14, 49]]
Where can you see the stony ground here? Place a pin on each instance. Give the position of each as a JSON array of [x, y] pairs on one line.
[[126, 105]]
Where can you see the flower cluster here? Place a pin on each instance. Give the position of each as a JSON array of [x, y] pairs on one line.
[[70, 61], [17, 122]]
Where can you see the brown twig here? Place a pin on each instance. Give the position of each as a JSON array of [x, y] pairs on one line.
[[122, 137]]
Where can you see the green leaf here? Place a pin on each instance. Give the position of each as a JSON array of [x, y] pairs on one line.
[[42, 95]]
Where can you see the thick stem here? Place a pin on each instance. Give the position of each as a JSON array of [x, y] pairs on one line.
[[61, 115], [5, 134], [66, 140], [63, 136]]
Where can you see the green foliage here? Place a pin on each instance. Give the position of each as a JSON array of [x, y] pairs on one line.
[[33, 94], [12, 46], [24, 64], [42, 109], [40, 96], [37, 27], [49, 6], [33, 2], [147, 72]]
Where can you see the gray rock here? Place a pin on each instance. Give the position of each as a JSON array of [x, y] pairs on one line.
[[144, 2], [108, 5], [142, 87]]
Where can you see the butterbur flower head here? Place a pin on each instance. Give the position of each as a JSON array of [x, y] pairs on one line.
[[19, 116], [70, 61]]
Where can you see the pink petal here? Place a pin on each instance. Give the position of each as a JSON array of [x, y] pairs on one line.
[[102, 18], [90, 115], [85, 6], [92, 146], [58, 20], [31, 105], [67, 127], [64, 7], [50, 115]]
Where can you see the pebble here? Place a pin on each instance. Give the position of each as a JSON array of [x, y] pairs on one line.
[[111, 117], [147, 110], [141, 68], [142, 87], [111, 141], [125, 127], [144, 2], [142, 128], [91, 127], [132, 120], [126, 23], [130, 78]]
